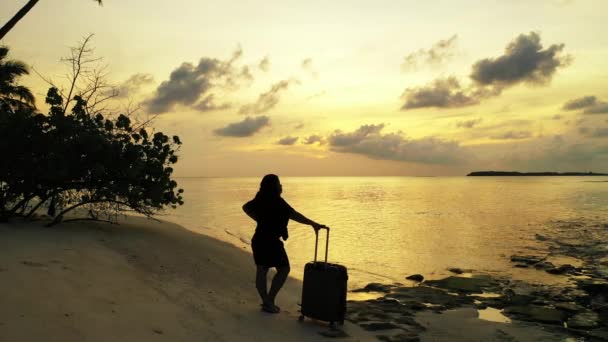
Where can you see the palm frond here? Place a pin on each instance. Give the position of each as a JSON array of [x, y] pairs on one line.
[[3, 52], [10, 71], [15, 68], [14, 104], [24, 94]]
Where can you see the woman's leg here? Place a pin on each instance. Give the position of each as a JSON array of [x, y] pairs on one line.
[[277, 282], [260, 282]]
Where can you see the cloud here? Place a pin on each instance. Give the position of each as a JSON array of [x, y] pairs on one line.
[[439, 53], [316, 95], [579, 157], [207, 104], [288, 141], [574, 157], [509, 123], [133, 84], [264, 64], [515, 129], [185, 85], [345, 139], [468, 123], [248, 127], [246, 74], [590, 104], [369, 141], [512, 135], [314, 139], [579, 103], [599, 132], [306, 63], [266, 101], [558, 139], [442, 93], [238, 53], [189, 82], [307, 66], [552, 153], [599, 108], [524, 60]]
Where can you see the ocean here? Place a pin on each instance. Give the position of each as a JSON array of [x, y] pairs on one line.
[[387, 228]]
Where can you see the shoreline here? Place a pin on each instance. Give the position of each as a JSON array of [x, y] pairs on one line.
[[147, 280], [576, 309]]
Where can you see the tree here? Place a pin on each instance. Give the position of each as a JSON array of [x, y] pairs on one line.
[[104, 166], [75, 157], [22, 131], [70, 161], [12, 94], [20, 14], [86, 78]]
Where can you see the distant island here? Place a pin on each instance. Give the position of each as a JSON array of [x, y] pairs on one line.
[[515, 173]]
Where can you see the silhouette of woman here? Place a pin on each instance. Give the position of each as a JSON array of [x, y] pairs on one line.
[[272, 213]]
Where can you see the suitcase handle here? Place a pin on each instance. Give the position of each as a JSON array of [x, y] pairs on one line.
[[317, 244]]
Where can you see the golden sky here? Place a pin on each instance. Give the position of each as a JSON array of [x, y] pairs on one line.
[[346, 87]]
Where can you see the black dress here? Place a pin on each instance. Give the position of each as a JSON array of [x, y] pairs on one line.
[[272, 214]]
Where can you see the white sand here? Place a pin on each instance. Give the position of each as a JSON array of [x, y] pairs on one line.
[[138, 281]]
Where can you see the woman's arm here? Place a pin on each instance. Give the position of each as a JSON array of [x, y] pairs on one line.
[[247, 208], [296, 216]]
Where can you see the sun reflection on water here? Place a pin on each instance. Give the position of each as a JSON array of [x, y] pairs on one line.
[[387, 228]]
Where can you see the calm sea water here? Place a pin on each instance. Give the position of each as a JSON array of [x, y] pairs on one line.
[[386, 228]]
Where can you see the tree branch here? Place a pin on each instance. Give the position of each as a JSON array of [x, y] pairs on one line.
[[77, 61]]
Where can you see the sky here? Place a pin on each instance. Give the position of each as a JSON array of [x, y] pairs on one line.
[[344, 88]]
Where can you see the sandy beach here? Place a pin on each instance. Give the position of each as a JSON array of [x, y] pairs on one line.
[[156, 281], [137, 281]]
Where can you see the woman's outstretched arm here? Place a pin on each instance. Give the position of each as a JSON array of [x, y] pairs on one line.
[[296, 216]]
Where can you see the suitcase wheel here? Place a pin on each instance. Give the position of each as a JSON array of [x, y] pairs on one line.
[[301, 318], [332, 325]]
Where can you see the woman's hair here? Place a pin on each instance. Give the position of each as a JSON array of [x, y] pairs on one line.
[[268, 186]]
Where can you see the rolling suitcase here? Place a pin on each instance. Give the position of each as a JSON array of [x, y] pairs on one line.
[[324, 289]]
